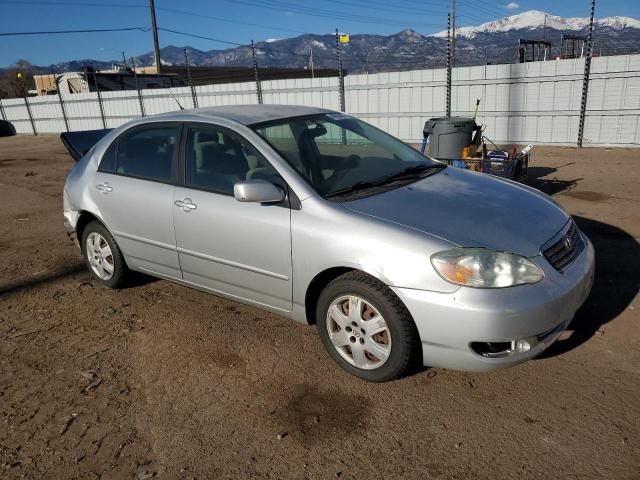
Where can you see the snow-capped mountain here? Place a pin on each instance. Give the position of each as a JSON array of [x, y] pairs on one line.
[[535, 19], [492, 42]]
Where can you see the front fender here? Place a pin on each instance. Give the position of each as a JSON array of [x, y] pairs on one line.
[[326, 236]]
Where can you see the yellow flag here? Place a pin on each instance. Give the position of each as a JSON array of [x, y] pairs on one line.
[[344, 38]]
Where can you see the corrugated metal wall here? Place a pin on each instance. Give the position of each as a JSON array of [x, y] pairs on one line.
[[536, 102]]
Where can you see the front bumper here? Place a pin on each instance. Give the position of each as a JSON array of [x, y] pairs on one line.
[[448, 323]]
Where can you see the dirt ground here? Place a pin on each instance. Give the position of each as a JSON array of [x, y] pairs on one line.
[[160, 381]]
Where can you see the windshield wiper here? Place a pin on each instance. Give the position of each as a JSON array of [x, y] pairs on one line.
[[411, 171], [402, 174], [355, 187]]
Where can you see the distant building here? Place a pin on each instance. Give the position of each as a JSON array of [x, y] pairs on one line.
[[119, 78], [213, 75], [106, 80], [45, 84]]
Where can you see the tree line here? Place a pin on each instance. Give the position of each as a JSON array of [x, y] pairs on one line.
[[17, 80]]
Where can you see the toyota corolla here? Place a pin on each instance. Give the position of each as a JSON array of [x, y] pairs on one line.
[[321, 217]]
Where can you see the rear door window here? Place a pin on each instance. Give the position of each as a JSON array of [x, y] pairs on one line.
[[147, 152]]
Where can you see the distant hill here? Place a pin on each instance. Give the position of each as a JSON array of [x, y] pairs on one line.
[[492, 42]]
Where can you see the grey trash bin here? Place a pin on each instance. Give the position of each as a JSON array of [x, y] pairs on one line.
[[448, 136]]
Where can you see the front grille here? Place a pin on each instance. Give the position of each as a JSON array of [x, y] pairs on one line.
[[563, 252]]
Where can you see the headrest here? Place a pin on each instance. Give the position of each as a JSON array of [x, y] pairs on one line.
[[140, 146], [206, 137]]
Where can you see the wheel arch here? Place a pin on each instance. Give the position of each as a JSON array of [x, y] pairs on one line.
[[321, 280], [84, 219]]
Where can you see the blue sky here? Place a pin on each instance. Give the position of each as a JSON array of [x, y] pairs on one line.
[[241, 20]]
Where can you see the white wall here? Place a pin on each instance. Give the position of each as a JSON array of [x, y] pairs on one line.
[[536, 102]]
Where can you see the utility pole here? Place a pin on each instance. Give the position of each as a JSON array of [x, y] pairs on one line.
[[135, 77], [340, 76], [194, 97], [448, 99], [56, 80], [255, 73], [2, 114], [544, 37], [585, 81], [99, 94], [453, 33], [156, 45], [23, 88]]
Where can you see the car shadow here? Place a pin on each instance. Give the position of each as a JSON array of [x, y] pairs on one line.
[[134, 279], [615, 286], [537, 178], [69, 271], [137, 279]]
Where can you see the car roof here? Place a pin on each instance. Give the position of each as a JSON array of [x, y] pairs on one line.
[[252, 114]]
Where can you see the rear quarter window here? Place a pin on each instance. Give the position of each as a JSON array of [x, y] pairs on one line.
[[108, 162]]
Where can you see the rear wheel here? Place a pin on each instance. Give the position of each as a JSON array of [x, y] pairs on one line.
[[102, 255], [366, 329]]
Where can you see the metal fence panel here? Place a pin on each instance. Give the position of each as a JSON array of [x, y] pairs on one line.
[[537, 102]]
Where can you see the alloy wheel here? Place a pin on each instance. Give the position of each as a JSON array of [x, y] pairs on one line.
[[358, 332], [100, 256]]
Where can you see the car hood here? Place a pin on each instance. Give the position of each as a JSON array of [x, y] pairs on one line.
[[470, 209]]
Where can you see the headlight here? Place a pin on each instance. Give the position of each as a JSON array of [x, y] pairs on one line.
[[485, 268]]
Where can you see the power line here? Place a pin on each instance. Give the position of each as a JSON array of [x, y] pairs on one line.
[[202, 37], [382, 6], [313, 12], [273, 5], [485, 7], [62, 32], [265, 48], [72, 4], [475, 18], [227, 20]]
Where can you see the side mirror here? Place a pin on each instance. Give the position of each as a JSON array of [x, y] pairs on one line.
[[258, 191]]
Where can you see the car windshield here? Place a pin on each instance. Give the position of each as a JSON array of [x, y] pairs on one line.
[[339, 154]]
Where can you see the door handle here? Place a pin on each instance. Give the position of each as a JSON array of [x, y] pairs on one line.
[[104, 187], [186, 205]]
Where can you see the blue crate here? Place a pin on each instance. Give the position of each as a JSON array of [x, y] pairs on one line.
[[497, 163], [499, 168]]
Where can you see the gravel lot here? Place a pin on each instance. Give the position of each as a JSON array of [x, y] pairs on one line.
[[160, 381]]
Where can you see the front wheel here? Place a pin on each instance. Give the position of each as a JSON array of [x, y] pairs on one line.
[[366, 328]]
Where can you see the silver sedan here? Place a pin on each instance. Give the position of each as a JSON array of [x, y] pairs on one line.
[[318, 216]]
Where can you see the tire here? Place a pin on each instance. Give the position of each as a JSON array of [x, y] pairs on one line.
[[98, 262], [399, 342]]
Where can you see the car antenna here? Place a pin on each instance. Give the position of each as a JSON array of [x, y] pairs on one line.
[[173, 96]]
